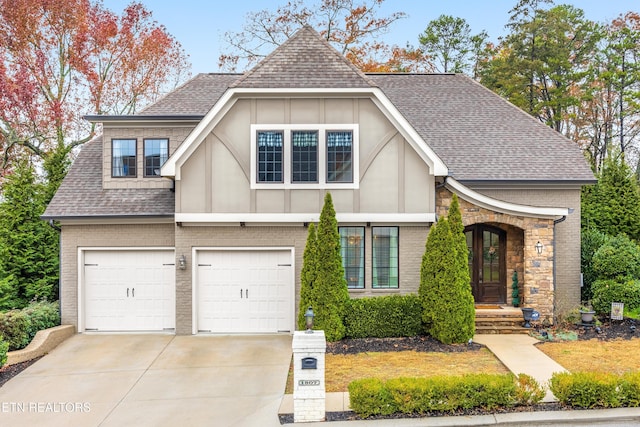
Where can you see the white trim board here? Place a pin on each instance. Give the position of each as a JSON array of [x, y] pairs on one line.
[[298, 218], [508, 208]]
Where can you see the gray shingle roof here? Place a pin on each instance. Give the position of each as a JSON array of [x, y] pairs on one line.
[[306, 60], [195, 97], [479, 135], [81, 193]]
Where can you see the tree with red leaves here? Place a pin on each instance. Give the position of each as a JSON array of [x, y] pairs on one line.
[[63, 59]]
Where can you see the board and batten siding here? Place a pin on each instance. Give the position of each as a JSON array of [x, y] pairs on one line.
[[216, 178]]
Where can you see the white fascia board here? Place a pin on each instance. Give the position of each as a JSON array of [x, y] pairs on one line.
[[198, 134], [490, 203], [438, 167], [292, 218], [228, 99]]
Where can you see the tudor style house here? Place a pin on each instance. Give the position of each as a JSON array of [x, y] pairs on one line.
[[192, 216]]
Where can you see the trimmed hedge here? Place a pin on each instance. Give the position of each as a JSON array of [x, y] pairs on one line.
[[383, 317], [18, 327], [4, 348], [595, 389], [372, 396], [607, 291]]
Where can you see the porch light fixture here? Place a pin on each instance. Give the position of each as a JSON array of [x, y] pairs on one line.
[[182, 262], [539, 247], [308, 315]]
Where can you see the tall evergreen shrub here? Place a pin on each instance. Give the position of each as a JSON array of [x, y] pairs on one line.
[[330, 286], [28, 246], [445, 289], [308, 276]]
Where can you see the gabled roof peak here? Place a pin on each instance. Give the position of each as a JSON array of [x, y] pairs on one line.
[[306, 60]]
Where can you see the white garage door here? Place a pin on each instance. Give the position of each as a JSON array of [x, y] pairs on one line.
[[129, 290], [244, 291]]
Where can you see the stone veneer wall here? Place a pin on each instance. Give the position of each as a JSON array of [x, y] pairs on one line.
[[536, 282]]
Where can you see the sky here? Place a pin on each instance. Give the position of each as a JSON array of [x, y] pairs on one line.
[[200, 24]]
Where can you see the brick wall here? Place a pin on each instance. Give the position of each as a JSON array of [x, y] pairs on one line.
[[101, 236]]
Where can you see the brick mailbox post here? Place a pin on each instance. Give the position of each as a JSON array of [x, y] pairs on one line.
[[308, 376]]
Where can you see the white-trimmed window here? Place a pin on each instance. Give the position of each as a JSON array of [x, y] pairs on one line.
[[304, 156], [352, 251]]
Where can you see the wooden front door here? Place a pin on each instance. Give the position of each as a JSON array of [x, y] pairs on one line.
[[487, 258]]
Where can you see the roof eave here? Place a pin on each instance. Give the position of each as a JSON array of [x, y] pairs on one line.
[[143, 118]]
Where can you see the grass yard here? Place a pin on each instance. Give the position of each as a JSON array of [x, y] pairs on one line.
[[342, 369], [617, 356]]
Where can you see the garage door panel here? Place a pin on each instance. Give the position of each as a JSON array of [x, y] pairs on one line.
[[244, 291], [129, 290]]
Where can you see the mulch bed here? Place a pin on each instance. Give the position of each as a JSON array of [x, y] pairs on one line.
[[607, 330], [9, 371]]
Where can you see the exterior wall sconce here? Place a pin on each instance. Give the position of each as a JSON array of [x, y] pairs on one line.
[[539, 247], [182, 262], [308, 315]]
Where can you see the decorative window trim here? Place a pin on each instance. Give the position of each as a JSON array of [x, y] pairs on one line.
[[135, 150], [144, 157], [322, 130]]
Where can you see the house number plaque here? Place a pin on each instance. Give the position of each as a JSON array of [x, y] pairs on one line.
[[303, 383]]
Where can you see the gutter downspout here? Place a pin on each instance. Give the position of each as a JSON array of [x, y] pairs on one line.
[[53, 225], [555, 222]]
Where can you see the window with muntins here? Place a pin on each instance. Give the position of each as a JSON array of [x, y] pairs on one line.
[[304, 161], [270, 156], [300, 156], [123, 158], [339, 163], [385, 250], [156, 152], [352, 251]]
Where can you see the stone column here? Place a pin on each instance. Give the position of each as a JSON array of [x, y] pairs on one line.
[[308, 376]]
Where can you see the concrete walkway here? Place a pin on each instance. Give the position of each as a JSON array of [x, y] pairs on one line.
[[518, 353]]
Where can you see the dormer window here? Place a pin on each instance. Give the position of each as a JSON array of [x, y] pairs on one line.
[[304, 156], [123, 158], [156, 152]]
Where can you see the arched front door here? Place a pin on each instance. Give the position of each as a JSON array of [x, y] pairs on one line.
[[487, 256]]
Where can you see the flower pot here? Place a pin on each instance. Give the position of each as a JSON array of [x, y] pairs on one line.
[[527, 313], [587, 316]]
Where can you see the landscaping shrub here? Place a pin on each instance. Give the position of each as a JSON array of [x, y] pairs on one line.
[[618, 257], [586, 389], [630, 389], [18, 327], [308, 276], [384, 316], [607, 291], [4, 347], [448, 309], [528, 390], [591, 241], [369, 396], [442, 394]]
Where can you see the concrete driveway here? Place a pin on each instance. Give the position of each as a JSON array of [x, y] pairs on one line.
[[152, 380]]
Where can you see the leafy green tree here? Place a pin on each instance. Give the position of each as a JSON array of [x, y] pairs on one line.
[[330, 286], [448, 42], [445, 291], [308, 276], [541, 65], [28, 246], [612, 205]]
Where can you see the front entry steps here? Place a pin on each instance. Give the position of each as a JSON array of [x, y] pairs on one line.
[[503, 320]]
